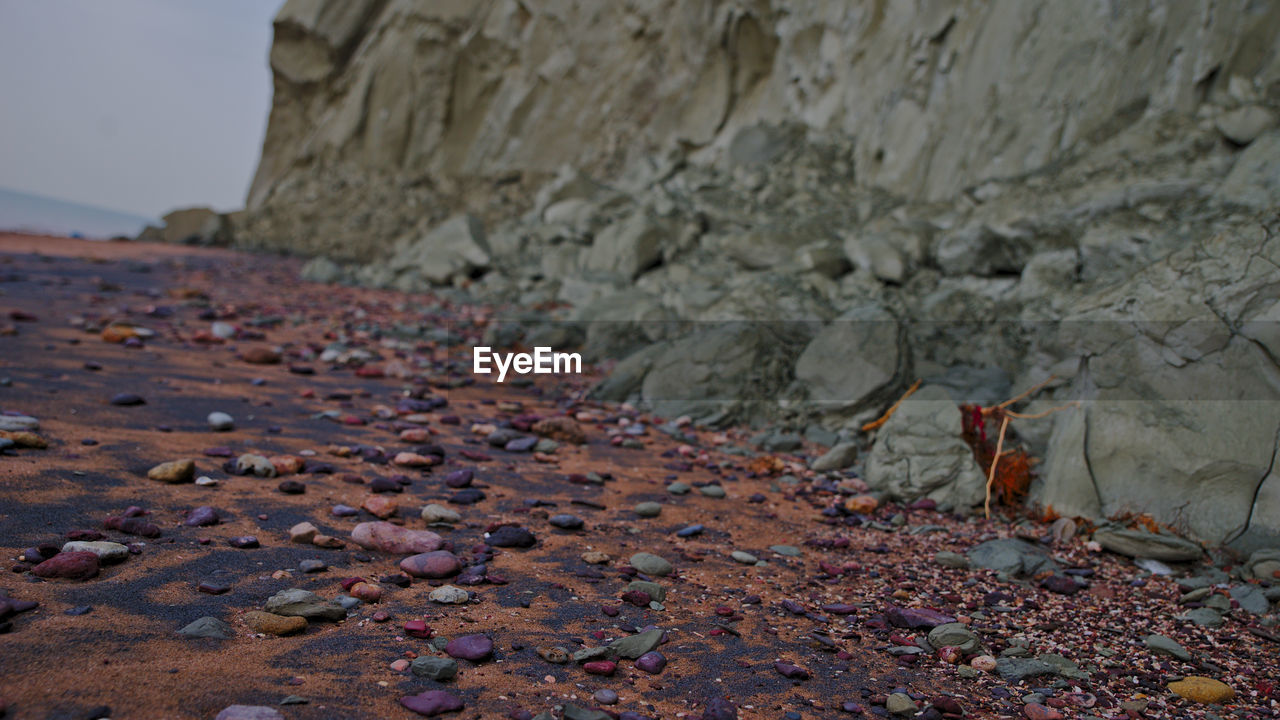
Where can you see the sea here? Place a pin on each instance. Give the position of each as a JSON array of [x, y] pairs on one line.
[[25, 212]]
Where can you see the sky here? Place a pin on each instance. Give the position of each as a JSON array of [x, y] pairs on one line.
[[139, 106]]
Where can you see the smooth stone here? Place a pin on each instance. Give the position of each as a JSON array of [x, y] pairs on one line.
[[1204, 617], [511, 536], [1206, 691], [249, 712], [1167, 646], [254, 464], [679, 488], [900, 704], [312, 566], [652, 589], [566, 522], [296, 602], [1012, 556], [955, 635], [434, 513], [634, 646], [605, 697], [1251, 598], [207, 627], [18, 423], [244, 542], [433, 702], [946, 558], [303, 532], [107, 552], [712, 491], [648, 509], [202, 516], [435, 565], [436, 668], [386, 537], [449, 595], [651, 564], [220, 422], [128, 399], [690, 531], [69, 566], [272, 624], [173, 472], [651, 662], [576, 712], [786, 550], [470, 647]]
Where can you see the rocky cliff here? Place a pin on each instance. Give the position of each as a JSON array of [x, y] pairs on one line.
[[784, 213], [389, 111]]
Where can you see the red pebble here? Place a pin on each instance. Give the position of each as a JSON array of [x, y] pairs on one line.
[[600, 667], [417, 628]]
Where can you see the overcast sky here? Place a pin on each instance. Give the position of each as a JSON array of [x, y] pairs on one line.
[[134, 105]]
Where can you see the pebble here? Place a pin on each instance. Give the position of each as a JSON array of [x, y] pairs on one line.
[[449, 595], [107, 552], [600, 667], [244, 542], [651, 662], [380, 506], [365, 592], [648, 509], [312, 566], [651, 564], [296, 602], [432, 703], [566, 522], [745, 558], [249, 712], [1162, 645], [632, 647], [69, 566], [1204, 690], [678, 488], [554, 655], [786, 550], [436, 668], [202, 516], [435, 565], [394, 539], [470, 647], [434, 513], [511, 536], [128, 400], [1036, 711], [18, 423], [901, 704], [303, 532], [207, 627], [605, 697], [712, 491], [254, 464], [220, 422], [272, 624], [173, 472]]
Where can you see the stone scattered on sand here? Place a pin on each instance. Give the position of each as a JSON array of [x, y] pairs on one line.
[[220, 422], [69, 566], [395, 539], [449, 595], [440, 669], [432, 703], [470, 647], [1145, 544], [296, 602], [107, 552], [1203, 690], [173, 472], [1162, 645], [434, 565], [651, 564], [434, 513], [272, 624], [207, 627], [249, 712]]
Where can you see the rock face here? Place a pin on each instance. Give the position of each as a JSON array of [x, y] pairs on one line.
[[378, 95]]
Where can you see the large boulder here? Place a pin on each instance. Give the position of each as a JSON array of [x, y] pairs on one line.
[[455, 248], [1179, 394], [919, 453], [858, 359]]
